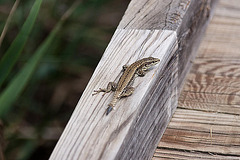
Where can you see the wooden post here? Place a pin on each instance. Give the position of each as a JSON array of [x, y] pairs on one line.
[[168, 30]]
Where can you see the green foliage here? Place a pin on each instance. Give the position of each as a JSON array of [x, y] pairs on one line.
[[14, 89], [50, 72], [12, 54]]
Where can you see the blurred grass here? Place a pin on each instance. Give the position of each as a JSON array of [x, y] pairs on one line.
[[15, 87], [38, 117]]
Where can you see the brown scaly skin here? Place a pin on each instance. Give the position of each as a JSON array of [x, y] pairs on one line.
[[123, 88]]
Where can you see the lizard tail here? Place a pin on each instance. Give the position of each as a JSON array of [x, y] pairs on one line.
[[109, 109], [112, 104]]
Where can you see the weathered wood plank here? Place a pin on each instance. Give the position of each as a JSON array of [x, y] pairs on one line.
[[210, 98], [89, 121], [224, 29], [209, 107], [114, 127], [212, 86], [165, 153], [206, 124], [217, 66], [213, 80], [203, 131], [164, 15], [168, 30]]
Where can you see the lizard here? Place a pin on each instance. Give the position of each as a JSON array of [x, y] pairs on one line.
[[124, 86]]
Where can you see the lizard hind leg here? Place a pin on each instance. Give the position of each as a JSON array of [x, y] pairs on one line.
[[127, 92], [110, 87]]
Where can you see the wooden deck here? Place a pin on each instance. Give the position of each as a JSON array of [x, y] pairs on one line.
[[206, 124]]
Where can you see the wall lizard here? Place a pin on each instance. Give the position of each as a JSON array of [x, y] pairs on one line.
[[124, 86]]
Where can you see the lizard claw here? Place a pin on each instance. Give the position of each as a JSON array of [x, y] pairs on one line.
[[96, 91]]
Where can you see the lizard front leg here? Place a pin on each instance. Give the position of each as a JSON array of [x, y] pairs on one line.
[[110, 87], [124, 67], [141, 72]]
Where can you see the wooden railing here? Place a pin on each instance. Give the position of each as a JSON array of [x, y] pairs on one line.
[[168, 30]]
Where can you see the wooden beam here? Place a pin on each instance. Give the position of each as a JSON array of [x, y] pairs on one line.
[[168, 30], [206, 123]]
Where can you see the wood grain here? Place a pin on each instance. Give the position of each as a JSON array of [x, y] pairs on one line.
[[89, 122], [168, 30], [206, 124], [214, 133], [145, 14], [165, 153]]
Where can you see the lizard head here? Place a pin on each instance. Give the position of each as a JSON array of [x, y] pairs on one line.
[[151, 61]]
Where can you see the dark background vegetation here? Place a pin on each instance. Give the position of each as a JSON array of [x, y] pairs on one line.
[[38, 117]]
